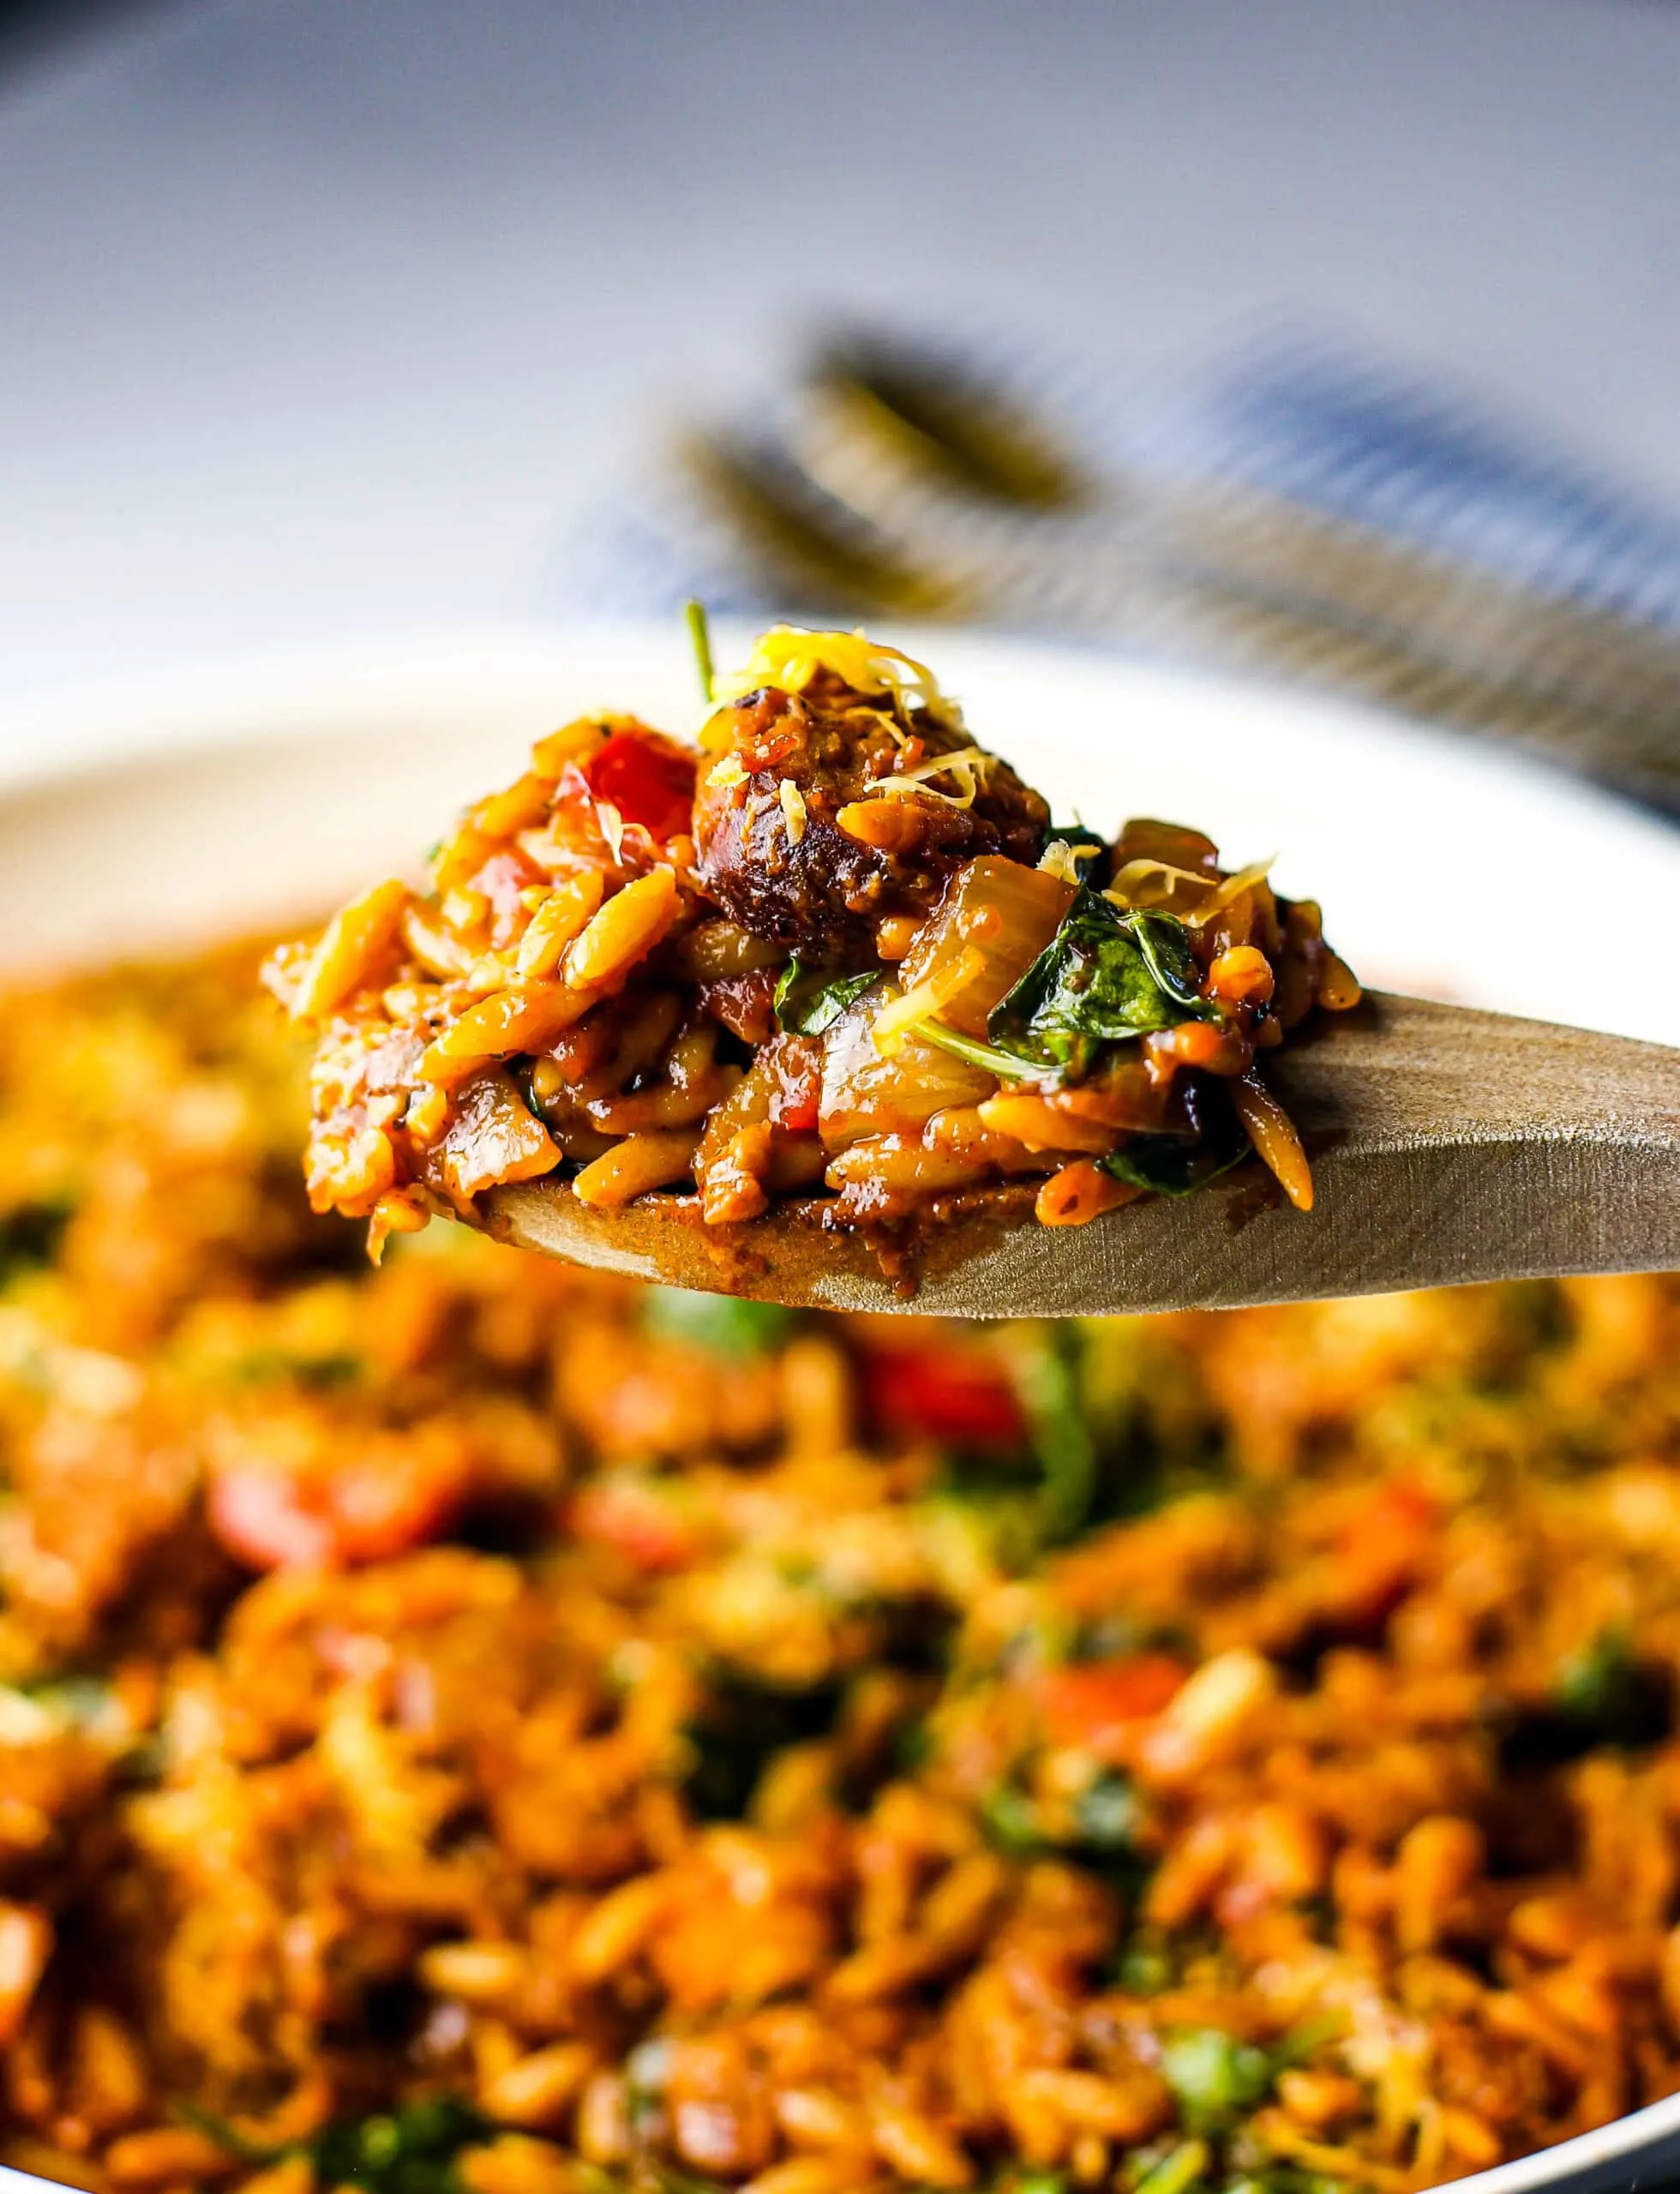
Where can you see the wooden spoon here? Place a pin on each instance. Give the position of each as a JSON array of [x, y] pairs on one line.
[[1447, 1146]]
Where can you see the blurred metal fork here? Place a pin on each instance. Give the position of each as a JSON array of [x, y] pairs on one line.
[[899, 484]]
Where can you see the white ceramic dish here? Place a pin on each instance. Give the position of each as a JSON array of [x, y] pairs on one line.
[[1446, 867], [133, 820]]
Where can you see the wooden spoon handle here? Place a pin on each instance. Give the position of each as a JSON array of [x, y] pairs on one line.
[[1448, 1146]]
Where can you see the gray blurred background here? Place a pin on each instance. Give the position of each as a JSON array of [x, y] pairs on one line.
[[326, 318]]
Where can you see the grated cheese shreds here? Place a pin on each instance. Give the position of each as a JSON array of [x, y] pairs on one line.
[[968, 764], [1133, 879], [1059, 861], [789, 657], [728, 772], [793, 807], [1231, 891]]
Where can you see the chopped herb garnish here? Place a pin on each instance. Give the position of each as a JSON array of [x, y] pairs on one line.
[[1010, 1820], [1034, 2182], [1595, 1680], [1144, 1968], [1104, 1827], [322, 1374], [700, 634], [738, 1730], [808, 1001]]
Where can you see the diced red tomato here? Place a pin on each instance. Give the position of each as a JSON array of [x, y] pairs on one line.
[[942, 1394], [648, 778], [635, 1517], [1084, 1703]]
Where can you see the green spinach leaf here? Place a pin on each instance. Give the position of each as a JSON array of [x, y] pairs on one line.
[[1106, 976], [1167, 1165], [808, 1001], [1181, 2170], [1008, 1066]]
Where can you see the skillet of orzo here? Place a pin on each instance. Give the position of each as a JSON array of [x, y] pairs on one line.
[[476, 1725]]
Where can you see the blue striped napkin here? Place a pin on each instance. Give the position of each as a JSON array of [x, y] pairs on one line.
[[1311, 420]]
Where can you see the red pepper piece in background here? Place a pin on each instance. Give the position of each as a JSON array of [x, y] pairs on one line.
[[942, 1394], [1084, 1702], [640, 1519], [1379, 1552]]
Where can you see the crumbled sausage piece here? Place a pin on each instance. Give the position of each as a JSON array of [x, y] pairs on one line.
[[790, 871]]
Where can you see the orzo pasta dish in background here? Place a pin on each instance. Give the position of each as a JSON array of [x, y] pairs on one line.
[[474, 1725]]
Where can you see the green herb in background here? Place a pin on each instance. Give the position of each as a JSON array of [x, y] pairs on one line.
[[1047, 1377], [1106, 1813], [1595, 1682], [407, 2151], [727, 1325], [737, 1731], [30, 1234], [1010, 1818], [808, 1001], [323, 1374], [1179, 2170], [1214, 2077], [1028, 2181], [1106, 1821]]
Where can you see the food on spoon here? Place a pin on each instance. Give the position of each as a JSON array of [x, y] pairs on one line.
[[834, 952]]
